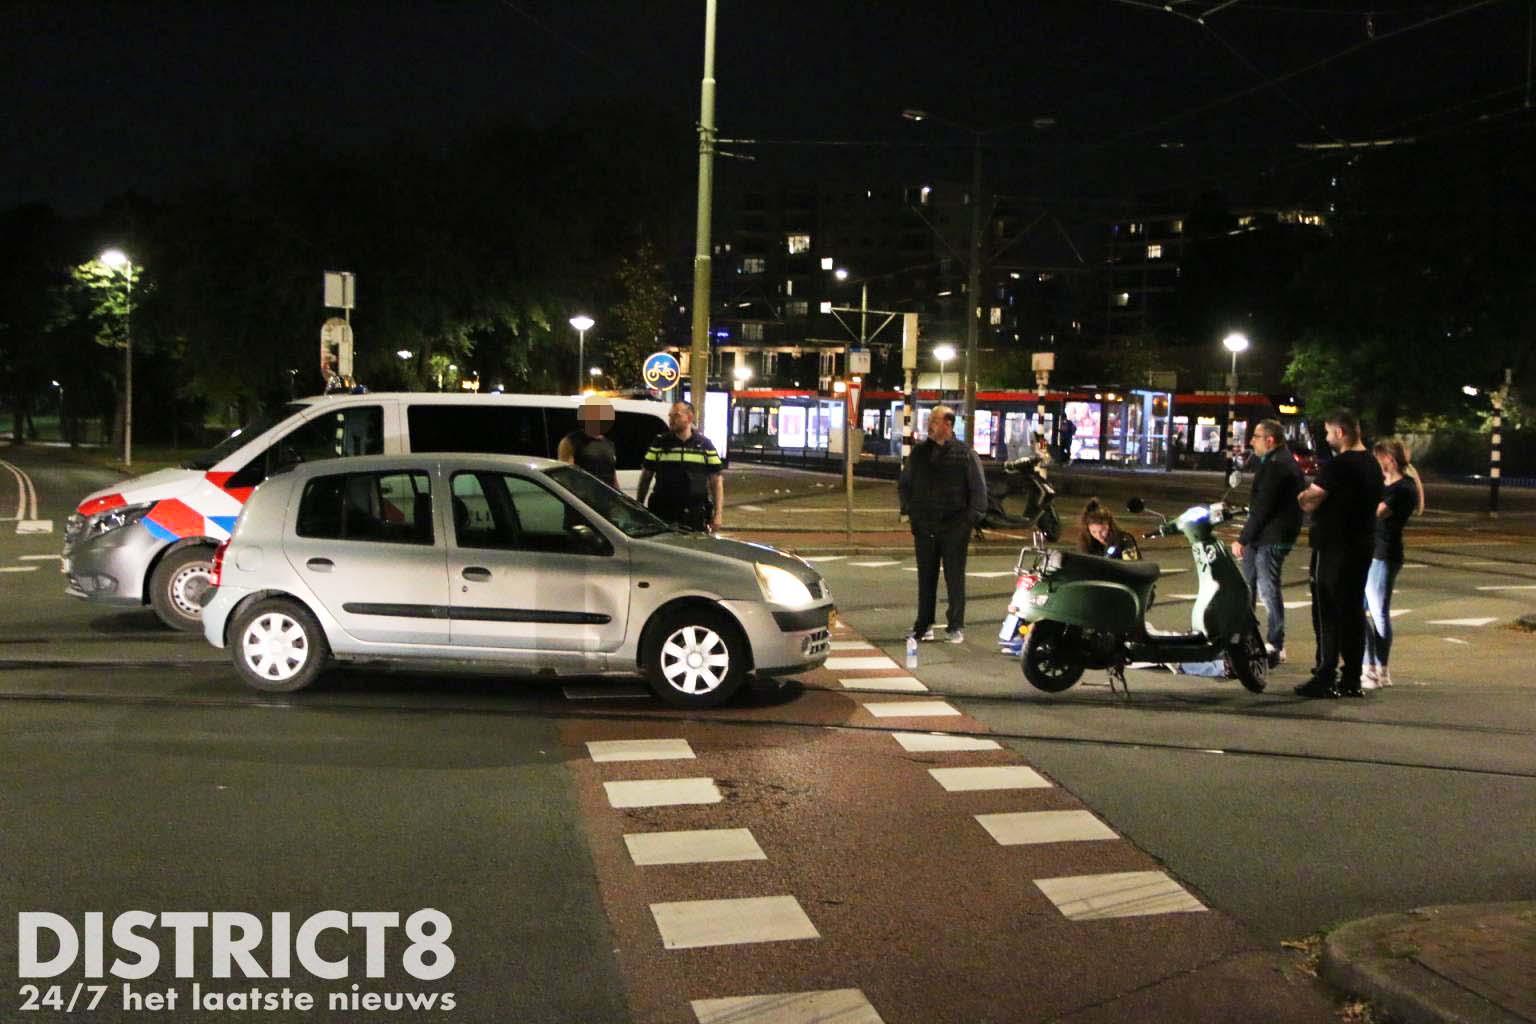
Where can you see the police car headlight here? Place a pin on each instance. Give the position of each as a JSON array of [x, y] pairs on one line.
[[115, 519], [781, 587]]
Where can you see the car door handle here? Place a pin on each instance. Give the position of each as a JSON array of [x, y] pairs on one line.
[[321, 564], [474, 572]]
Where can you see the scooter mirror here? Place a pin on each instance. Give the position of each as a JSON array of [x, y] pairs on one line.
[[1234, 478], [1135, 505]]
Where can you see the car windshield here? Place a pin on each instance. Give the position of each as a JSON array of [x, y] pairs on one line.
[[260, 425], [633, 518]]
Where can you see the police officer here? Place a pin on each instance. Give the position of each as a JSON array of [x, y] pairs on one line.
[[686, 469], [587, 448], [944, 495]]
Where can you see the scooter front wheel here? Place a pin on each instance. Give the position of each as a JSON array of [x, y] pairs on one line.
[[1250, 660], [1052, 659]]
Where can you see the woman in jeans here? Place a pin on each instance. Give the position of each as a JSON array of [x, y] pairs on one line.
[[1402, 498]]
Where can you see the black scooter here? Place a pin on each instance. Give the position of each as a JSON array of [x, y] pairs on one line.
[[1024, 481]]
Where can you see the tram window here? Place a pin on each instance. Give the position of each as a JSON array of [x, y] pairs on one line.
[[1181, 433], [986, 427], [1085, 417], [1207, 434]]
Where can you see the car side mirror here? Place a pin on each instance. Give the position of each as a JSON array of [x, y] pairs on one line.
[[1135, 505]]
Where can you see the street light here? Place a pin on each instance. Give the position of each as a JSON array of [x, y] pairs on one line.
[[583, 324], [1235, 342], [116, 259], [944, 353]]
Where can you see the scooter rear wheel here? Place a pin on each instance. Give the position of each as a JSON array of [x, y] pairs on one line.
[[1250, 660], [1052, 660]]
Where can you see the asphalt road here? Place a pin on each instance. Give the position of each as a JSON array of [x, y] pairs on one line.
[[141, 775]]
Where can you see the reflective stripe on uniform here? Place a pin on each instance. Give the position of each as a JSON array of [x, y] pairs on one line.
[[703, 458]]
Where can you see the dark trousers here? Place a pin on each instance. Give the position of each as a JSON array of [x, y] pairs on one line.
[[1338, 611], [946, 544]]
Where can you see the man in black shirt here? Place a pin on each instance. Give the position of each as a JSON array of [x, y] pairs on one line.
[[944, 494], [686, 468], [1343, 502], [587, 448]]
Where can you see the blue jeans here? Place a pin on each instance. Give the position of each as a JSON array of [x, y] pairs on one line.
[[1378, 607], [1261, 568]]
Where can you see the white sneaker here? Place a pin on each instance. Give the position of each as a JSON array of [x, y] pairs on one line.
[[1370, 677], [1383, 677]]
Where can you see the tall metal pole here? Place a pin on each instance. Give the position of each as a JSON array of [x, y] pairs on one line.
[[973, 298], [848, 418], [701, 256], [581, 359], [128, 369], [1232, 404], [1495, 455]]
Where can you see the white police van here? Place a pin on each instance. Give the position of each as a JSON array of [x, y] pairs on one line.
[[149, 540]]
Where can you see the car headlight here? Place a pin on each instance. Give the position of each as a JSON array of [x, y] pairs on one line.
[[115, 519], [782, 587]]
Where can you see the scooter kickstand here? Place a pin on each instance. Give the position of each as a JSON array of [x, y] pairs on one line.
[[1116, 674]]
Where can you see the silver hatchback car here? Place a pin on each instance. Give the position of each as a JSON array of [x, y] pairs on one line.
[[522, 562]]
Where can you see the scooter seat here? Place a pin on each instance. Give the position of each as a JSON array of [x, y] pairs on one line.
[[1132, 574]]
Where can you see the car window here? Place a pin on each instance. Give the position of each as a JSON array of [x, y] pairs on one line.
[[358, 430], [512, 513], [633, 518], [388, 507], [241, 437], [499, 429]]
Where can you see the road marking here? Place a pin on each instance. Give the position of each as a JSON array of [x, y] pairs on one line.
[[911, 709], [933, 742], [910, 568], [1012, 776], [1401, 611], [34, 526], [24, 489], [1183, 597], [1414, 565], [1511, 586], [843, 1005], [692, 924], [844, 664], [827, 558], [600, 691], [1461, 622], [852, 645], [1170, 572], [990, 575], [640, 750], [1121, 894], [662, 792], [18, 568], [750, 508], [42, 558], [1021, 828], [1456, 640], [1289, 605], [874, 565], [705, 846], [1504, 562], [910, 684]]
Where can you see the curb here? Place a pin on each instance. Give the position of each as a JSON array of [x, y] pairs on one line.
[[1373, 958]]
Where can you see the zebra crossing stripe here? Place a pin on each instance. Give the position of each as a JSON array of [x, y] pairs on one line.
[[694, 924], [842, 1005], [1121, 894]]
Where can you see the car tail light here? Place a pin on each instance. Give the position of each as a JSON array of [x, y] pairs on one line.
[[218, 564]]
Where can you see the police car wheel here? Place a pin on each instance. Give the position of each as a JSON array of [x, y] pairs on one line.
[[695, 659], [278, 647], [178, 583]]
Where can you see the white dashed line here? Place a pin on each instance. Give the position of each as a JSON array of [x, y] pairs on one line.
[[42, 558], [18, 568], [912, 709], [693, 924], [1461, 622], [989, 575], [1122, 894], [827, 558], [705, 846], [842, 1005], [935, 742], [847, 664], [1401, 611], [1012, 776], [1289, 605], [640, 750], [873, 565], [852, 645], [750, 508], [662, 792], [903, 684], [1018, 829], [1511, 586]]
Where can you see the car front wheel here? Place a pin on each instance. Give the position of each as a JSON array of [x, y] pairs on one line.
[[278, 646], [695, 659]]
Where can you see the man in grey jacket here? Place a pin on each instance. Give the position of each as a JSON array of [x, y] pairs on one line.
[[1274, 523], [944, 495]]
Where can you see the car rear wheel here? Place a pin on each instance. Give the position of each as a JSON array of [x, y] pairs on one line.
[[278, 647], [695, 659], [177, 586]]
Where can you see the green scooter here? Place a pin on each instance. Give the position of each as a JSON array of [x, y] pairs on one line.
[[1087, 612]]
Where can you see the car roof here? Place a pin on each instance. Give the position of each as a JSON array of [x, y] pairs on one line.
[[641, 405], [423, 460]]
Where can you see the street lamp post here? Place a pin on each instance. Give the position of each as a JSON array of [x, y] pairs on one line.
[[944, 353], [583, 324], [115, 258], [1234, 343]]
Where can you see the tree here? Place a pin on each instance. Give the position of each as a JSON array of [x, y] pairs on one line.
[[640, 314]]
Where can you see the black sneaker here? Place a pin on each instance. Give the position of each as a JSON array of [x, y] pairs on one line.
[[1316, 688]]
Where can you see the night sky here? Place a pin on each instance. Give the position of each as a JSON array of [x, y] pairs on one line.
[[100, 98]]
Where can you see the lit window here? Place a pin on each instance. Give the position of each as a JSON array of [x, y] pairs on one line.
[[789, 286], [826, 261], [1014, 274], [996, 318], [1136, 229], [796, 307], [1123, 299], [1176, 227], [1044, 276], [1154, 251], [1245, 221], [923, 195], [752, 332], [754, 265], [826, 306], [798, 244]]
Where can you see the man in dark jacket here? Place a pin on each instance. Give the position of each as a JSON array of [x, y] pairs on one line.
[[944, 494], [1274, 523]]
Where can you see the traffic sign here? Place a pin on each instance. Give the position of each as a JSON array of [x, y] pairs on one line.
[[661, 371]]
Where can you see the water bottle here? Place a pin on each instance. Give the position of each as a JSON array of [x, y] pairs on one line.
[[912, 652]]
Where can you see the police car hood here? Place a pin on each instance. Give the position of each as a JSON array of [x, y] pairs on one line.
[[137, 490]]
